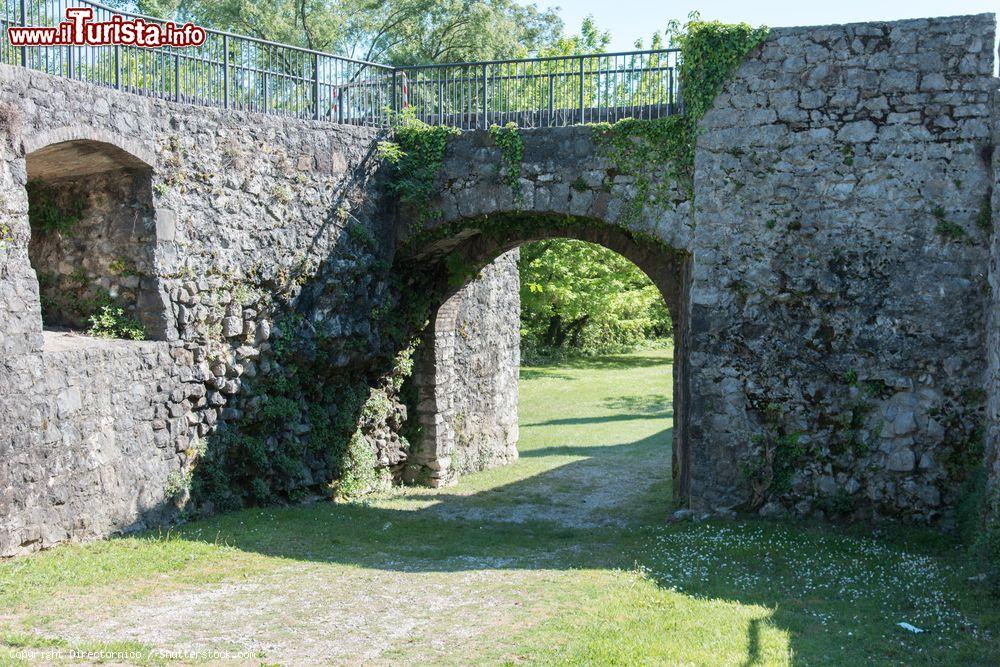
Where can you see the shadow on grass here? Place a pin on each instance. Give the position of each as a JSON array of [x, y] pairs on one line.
[[602, 363], [467, 532], [616, 362], [606, 419], [651, 404], [470, 536], [598, 451], [429, 539], [541, 374]]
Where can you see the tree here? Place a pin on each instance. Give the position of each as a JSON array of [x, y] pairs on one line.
[[397, 32], [584, 297]]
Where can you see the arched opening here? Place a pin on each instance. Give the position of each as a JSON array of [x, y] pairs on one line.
[[459, 379], [93, 235]]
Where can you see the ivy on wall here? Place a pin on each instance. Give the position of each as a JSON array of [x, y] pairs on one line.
[[308, 421], [416, 157], [511, 145], [710, 53]]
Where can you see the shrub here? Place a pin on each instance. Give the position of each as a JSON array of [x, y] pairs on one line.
[[110, 321]]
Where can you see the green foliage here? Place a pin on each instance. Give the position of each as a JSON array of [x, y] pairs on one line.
[[985, 217], [261, 460], [122, 267], [640, 148], [511, 145], [710, 53], [583, 297], [49, 213], [841, 504], [178, 483], [945, 227], [416, 157], [777, 452], [110, 321], [401, 32], [389, 151], [6, 236], [359, 475], [361, 235]]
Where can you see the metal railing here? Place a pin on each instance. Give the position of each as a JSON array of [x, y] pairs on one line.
[[237, 72], [537, 92], [228, 71]]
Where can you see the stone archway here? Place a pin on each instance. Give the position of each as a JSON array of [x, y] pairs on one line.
[[94, 228], [489, 253]]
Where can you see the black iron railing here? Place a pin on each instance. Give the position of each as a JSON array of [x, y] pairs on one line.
[[237, 72], [543, 91], [229, 71]]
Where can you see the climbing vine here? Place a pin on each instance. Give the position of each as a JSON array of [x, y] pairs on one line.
[[776, 454], [511, 145], [710, 53], [416, 156], [318, 407]]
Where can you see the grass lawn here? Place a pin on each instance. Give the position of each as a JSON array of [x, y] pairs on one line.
[[562, 558]]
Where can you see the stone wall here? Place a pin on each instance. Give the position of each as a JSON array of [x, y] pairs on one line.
[[828, 283], [466, 374], [993, 324], [263, 253], [87, 444], [839, 294]]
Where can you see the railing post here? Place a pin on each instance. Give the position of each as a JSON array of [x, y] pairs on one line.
[[392, 93], [581, 91], [484, 106], [118, 69], [670, 90], [315, 86], [225, 71], [69, 60], [552, 99], [440, 99], [24, 22], [177, 77], [340, 104]]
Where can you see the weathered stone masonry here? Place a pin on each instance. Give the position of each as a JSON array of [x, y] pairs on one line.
[[833, 334], [241, 213], [828, 281]]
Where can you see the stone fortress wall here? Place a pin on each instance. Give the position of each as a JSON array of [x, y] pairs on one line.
[[830, 280]]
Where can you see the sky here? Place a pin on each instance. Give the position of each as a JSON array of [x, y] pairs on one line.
[[628, 20]]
